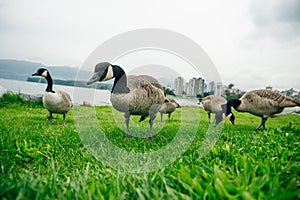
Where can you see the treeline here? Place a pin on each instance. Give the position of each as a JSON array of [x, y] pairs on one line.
[[101, 86]]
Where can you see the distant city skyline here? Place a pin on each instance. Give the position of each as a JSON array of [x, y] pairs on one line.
[[191, 88], [196, 87]]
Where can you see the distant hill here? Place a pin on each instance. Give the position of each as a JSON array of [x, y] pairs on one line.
[[21, 70], [64, 75]]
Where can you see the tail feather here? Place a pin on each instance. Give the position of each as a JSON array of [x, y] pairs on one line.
[[290, 102], [143, 117]]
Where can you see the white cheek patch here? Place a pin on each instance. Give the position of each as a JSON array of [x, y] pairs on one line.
[[44, 74], [109, 74]]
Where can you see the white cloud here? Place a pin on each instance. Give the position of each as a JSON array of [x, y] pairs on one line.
[[249, 41], [277, 19]]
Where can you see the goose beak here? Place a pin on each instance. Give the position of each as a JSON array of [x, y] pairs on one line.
[[94, 78], [35, 74], [102, 72]]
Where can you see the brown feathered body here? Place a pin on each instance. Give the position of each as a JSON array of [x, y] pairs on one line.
[[145, 96], [265, 103], [133, 95], [168, 107], [213, 104], [57, 102]]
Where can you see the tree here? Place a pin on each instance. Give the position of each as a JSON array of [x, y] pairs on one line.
[[199, 96], [230, 86], [206, 94], [168, 91]]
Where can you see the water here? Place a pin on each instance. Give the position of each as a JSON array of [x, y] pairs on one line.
[[78, 94]]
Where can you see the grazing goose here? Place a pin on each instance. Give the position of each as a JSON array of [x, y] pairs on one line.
[[263, 103], [168, 107], [133, 95], [54, 101], [214, 104]]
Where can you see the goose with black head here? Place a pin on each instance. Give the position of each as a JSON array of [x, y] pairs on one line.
[[133, 95], [54, 101], [263, 103]]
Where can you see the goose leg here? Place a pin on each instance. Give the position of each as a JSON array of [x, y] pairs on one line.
[[50, 117], [169, 116], [127, 118], [208, 117], [64, 118], [152, 117], [262, 124], [143, 117], [161, 116]]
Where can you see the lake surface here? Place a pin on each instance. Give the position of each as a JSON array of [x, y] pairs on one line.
[[78, 94]]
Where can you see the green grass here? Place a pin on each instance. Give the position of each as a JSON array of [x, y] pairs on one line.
[[43, 161]]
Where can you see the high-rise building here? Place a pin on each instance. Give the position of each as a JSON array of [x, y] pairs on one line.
[[190, 91], [178, 86], [211, 87], [195, 87], [199, 87], [219, 89]]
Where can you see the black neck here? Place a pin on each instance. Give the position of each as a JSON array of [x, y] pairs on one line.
[[50, 84], [232, 103], [120, 83]]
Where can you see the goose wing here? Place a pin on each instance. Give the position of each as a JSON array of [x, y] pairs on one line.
[[213, 103], [141, 80], [58, 102], [146, 95], [206, 102], [277, 98], [263, 103], [66, 97], [151, 80]]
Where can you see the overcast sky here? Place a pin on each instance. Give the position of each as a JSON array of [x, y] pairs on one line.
[[253, 44]]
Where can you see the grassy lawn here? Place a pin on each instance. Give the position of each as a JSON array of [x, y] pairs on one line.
[[43, 161]]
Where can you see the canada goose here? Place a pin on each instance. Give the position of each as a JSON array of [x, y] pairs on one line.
[[54, 101], [132, 95], [263, 103], [168, 107], [213, 104]]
